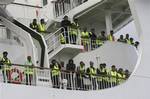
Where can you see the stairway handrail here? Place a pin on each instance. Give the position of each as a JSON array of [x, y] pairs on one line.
[[51, 35]]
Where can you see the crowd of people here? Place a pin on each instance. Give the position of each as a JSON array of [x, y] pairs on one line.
[[71, 31], [86, 78], [6, 64], [39, 27], [76, 77]]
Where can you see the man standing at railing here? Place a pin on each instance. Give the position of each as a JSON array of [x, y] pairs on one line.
[[102, 74], [34, 24], [79, 75], [120, 76], [92, 38], [55, 74], [74, 31], [65, 23], [85, 38], [71, 67], [113, 76], [111, 36], [29, 71], [6, 63], [93, 75], [42, 27]]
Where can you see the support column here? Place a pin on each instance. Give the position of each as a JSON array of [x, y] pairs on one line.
[[108, 21], [141, 15]]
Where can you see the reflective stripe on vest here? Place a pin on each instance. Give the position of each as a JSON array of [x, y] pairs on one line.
[[62, 39], [85, 35], [55, 70], [34, 26], [113, 76], [99, 42], [103, 77], [6, 63], [73, 31], [82, 69], [42, 27], [29, 70], [121, 78], [110, 38], [128, 41], [92, 72]]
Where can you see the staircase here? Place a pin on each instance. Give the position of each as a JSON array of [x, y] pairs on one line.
[[57, 50]]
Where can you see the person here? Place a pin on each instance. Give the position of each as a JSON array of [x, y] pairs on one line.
[[103, 36], [92, 38], [121, 39], [106, 78], [111, 36], [29, 71], [65, 23], [55, 74], [92, 75], [99, 42], [42, 26], [85, 39], [127, 74], [120, 76], [70, 75], [113, 76], [79, 75], [62, 39], [131, 41], [74, 31], [127, 39], [6, 66], [136, 44], [0, 60], [87, 80], [34, 24], [102, 72]]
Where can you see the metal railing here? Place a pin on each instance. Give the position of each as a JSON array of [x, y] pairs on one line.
[[61, 7], [71, 80], [61, 36], [91, 44]]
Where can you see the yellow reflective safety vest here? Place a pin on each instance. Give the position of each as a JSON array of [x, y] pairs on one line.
[[82, 71], [101, 77], [128, 41], [110, 38], [85, 34], [34, 26], [55, 70], [113, 77], [7, 63], [62, 39], [99, 42], [42, 28], [73, 31], [93, 72], [121, 78], [29, 69]]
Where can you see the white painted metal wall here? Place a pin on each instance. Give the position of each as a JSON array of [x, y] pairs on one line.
[[17, 54], [112, 53]]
